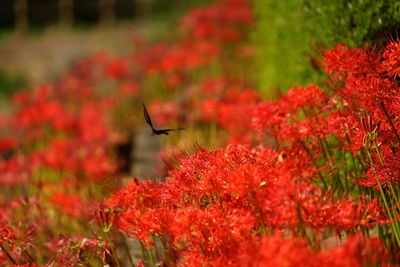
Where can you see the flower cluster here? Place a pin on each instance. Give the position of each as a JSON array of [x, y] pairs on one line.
[[251, 205], [309, 179], [209, 208], [55, 148], [58, 147]]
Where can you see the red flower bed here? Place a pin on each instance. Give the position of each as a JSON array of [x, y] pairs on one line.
[[309, 179]]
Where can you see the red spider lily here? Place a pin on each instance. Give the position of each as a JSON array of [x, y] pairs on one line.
[[357, 251], [216, 200], [386, 172], [43, 113], [7, 144], [341, 60], [129, 88], [233, 110], [65, 136], [72, 88], [14, 243], [77, 250], [92, 160], [68, 204], [274, 250], [216, 86], [305, 97], [170, 158], [277, 251], [163, 113], [7, 235], [116, 68], [105, 218], [93, 124], [239, 205], [391, 55], [15, 171], [174, 80], [219, 21], [150, 57], [364, 94], [188, 56]]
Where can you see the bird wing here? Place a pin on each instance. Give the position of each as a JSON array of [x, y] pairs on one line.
[[147, 117], [168, 130]]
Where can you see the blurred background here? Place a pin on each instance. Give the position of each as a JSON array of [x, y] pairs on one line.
[[39, 39]]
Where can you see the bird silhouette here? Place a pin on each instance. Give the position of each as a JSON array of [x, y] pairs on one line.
[[155, 131]]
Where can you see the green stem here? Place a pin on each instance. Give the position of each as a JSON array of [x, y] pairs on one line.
[[382, 163], [213, 134], [314, 165], [344, 164], [143, 250], [151, 259], [394, 224], [108, 237], [129, 253], [158, 256], [390, 121], [29, 255], [8, 255]]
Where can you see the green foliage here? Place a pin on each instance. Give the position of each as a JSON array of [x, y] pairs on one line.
[[287, 33], [10, 83], [354, 22]]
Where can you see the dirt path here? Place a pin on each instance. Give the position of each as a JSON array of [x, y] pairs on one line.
[[42, 57]]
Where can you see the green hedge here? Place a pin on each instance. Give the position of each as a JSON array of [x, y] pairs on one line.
[[10, 83], [287, 32]]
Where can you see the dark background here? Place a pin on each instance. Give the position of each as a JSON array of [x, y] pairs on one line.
[[45, 12]]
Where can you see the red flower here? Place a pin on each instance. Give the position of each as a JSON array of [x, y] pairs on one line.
[[116, 68], [69, 204], [129, 88], [7, 235], [163, 113], [342, 59], [391, 63], [7, 143]]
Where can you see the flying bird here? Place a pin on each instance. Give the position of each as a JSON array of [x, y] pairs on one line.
[[155, 131]]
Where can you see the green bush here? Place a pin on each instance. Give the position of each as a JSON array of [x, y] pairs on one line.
[[10, 83], [287, 33]]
